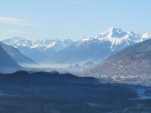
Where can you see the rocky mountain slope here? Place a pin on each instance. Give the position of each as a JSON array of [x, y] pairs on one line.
[[133, 64]]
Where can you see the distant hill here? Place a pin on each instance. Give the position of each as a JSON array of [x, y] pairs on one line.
[[17, 55], [7, 63], [132, 64]]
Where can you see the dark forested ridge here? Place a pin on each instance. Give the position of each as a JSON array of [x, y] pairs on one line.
[[42, 92]]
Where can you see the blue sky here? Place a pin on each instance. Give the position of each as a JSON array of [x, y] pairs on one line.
[[71, 18]]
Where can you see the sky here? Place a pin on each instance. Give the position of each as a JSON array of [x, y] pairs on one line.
[[60, 19]]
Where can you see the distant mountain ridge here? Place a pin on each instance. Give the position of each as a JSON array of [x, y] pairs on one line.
[[94, 48]]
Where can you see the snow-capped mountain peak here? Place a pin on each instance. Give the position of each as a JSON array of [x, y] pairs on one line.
[[117, 36], [113, 37], [115, 32]]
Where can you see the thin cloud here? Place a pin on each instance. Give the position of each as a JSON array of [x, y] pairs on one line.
[[14, 21]]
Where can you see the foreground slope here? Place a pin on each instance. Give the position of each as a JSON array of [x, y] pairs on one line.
[[132, 64], [41, 92]]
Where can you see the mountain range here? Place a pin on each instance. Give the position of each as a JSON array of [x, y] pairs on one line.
[[94, 48], [115, 54], [120, 56]]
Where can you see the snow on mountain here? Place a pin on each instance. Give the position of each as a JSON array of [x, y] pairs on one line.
[[146, 36], [116, 37], [89, 48], [17, 55], [20, 42]]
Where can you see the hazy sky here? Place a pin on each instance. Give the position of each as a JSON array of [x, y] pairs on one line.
[[71, 18]]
